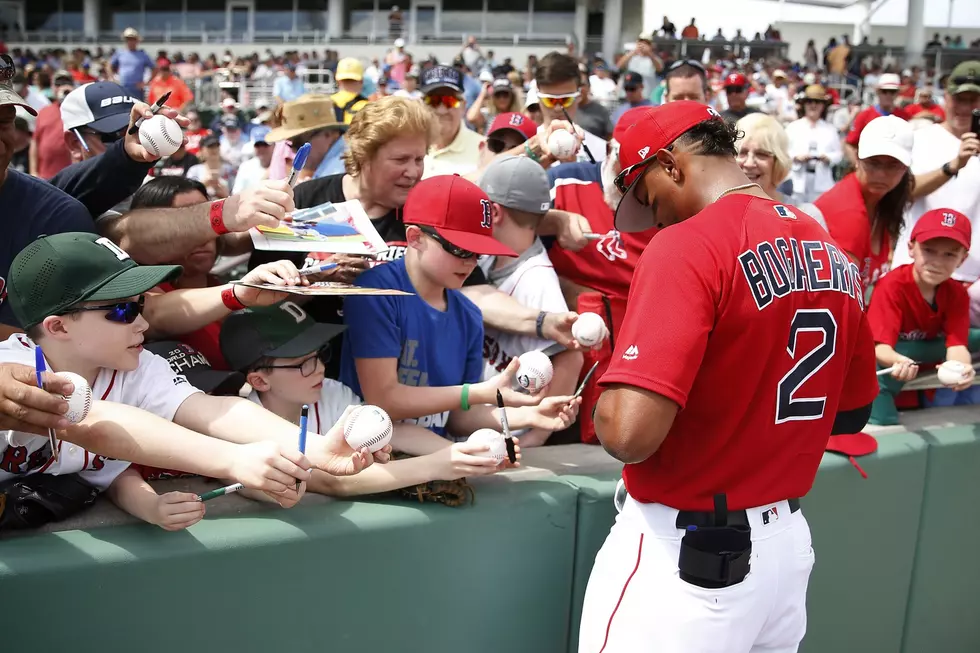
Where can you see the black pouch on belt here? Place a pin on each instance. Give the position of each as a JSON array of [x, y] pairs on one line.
[[716, 556]]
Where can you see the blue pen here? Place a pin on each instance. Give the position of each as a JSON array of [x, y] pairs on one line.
[[304, 417], [298, 162], [39, 369], [316, 269]]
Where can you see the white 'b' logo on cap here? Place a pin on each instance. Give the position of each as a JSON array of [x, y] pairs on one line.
[[949, 220]]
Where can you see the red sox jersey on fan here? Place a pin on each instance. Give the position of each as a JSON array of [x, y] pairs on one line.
[[531, 280], [898, 311], [759, 309], [335, 397], [152, 386]]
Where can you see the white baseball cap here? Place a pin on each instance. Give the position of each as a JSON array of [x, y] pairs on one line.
[[102, 106], [889, 82], [887, 136]]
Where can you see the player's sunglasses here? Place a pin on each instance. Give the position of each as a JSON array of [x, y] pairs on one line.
[[7, 68], [564, 101], [122, 313], [306, 367], [454, 250], [620, 180], [448, 101]]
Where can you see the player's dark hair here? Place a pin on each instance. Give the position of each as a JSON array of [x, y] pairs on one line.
[[711, 138], [890, 212], [556, 68], [160, 192], [684, 71]]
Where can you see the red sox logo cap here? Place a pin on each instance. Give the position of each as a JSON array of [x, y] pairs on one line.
[[943, 223]]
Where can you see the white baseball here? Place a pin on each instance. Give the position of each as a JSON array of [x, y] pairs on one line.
[[589, 329], [535, 372], [80, 401], [951, 373], [161, 136], [562, 144], [367, 426], [492, 439]]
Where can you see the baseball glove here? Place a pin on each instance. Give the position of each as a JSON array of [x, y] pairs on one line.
[[452, 493]]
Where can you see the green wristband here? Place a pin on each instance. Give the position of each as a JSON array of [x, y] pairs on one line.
[[529, 153], [464, 400]]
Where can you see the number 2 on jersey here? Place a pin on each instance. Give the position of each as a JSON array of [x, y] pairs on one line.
[[789, 407]]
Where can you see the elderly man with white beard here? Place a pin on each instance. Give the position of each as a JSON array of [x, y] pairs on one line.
[[596, 278]]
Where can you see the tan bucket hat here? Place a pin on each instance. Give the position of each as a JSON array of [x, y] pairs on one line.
[[305, 114]]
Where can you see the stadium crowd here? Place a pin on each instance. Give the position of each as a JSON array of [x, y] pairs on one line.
[[501, 241]]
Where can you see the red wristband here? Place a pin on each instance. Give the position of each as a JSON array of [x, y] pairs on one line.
[[230, 301], [216, 217]]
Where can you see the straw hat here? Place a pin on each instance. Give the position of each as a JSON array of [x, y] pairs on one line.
[[816, 92], [305, 114]]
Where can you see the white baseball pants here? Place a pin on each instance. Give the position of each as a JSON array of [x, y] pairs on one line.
[[636, 602]]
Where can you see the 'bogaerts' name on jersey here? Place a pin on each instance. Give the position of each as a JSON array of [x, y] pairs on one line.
[[775, 269]]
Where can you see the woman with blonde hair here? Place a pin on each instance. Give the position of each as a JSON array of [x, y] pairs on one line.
[[495, 98]]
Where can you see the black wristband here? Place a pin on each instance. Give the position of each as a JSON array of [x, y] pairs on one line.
[[539, 325], [948, 171]]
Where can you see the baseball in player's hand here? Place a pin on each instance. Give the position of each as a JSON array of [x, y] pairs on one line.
[[331, 453], [25, 407], [265, 466], [571, 233], [277, 273], [175, 511], [132, 144], [264, 204], [905, 370], [485, 392]]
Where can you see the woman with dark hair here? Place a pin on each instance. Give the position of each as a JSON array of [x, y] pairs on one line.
[[195, 317], [865, 210]]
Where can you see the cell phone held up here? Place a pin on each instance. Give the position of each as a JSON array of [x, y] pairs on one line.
[[975, 122]]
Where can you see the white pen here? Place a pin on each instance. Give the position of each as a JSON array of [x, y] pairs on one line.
[[317, 269]]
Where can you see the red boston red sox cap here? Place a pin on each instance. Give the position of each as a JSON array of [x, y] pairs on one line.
[[514, 121], [656, 129], [459, 212], [943, 223]]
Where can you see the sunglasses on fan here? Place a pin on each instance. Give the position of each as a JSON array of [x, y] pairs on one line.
[[447, 246], [121, 312], [448, 101], [564, 101]]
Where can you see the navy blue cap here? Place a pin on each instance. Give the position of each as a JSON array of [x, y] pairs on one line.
[[102, 106], [632, 79], [441, 77]]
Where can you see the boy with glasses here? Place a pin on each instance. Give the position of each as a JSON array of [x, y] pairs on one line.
[[420, 357], [280, 349], [80, 297], [456, 148]]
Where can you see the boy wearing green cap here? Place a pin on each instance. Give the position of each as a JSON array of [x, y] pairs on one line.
[[80, 299], [280, 349]]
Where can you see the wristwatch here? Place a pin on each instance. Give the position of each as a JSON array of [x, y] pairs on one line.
[[948, 171]]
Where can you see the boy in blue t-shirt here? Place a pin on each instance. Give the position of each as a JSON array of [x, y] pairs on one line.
[[420, 357]]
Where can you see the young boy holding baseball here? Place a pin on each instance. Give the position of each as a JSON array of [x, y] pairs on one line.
[[922, 302], [279, 349], [420, 356], [80, 298], [520, 195]]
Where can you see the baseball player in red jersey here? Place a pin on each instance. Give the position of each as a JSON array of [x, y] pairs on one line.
[[745, 345]]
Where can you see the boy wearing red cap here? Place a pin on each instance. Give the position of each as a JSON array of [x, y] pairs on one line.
[[921, 302], [420, 357]]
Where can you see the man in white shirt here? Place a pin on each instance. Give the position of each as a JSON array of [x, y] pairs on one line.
[[603, 87], [814, 146], [947, 168], [520, 194], [557, 81], [256, 168], [456, 149], [780, 103]]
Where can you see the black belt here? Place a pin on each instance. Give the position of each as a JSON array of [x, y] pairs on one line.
[[687, 518]]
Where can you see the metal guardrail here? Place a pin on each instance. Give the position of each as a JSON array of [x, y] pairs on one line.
[[694, 48]]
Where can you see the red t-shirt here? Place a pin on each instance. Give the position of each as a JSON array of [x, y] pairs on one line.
[[848, 222], [864, 117], [605, 265], [912, 110], [194, 140], [751, 319], [205, 340], [898, 311], [53, 155]]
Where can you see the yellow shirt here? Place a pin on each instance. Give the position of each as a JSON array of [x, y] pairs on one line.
[[462, 156], [340, 100]]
